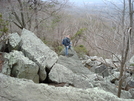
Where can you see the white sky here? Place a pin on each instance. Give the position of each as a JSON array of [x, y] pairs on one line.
[[93, 1]]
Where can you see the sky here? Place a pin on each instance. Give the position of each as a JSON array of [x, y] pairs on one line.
[[93, 2], [80, 2]]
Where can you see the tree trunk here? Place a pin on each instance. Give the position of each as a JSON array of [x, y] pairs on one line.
[[126, 48], [36, 16]]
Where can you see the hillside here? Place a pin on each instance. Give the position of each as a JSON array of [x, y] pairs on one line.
[[31, 62], [101, 57]]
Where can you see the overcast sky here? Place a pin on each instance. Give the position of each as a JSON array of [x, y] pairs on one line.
[[79, 2], [98, 2]]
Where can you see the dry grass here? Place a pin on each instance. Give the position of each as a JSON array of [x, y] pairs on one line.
[[1, 62]]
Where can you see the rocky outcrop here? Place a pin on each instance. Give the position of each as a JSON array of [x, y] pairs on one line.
[[70, 70], [71, 52], [131, 65], [17, 65], [101, 70], [30, 58], [14, 41], [61, 74], [73, 63], [109, 69], [132, 92], [14, 89], [37, 51], [31, 49], [131, 61]]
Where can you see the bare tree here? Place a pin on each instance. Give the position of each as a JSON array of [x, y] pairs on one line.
[[114, 39], [121, 37], [126, 44], [30, 14]]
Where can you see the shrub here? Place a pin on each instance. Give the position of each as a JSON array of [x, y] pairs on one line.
[[131, 64], [81, 50], [3, 28], [54, 45]]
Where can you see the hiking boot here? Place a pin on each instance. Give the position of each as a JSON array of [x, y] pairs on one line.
[[66, 55]]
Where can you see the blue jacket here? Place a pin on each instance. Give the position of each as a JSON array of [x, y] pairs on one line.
[[66, 41]]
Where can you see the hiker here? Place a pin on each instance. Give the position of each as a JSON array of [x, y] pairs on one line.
[[66, 42]]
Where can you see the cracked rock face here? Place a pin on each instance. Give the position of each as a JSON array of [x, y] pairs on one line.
[[14, 89], [14, 41], [37, 51], [31, 49], [33, 60], [17, 65]]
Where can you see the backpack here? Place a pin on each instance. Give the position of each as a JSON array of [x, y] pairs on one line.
[[64, 41]]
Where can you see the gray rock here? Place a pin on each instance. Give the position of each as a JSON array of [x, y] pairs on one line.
[[6, 69], [93, 63], [108, 87], [114, 75], [131, 61], [84, 62], [132, 92], [71, 52], [100, 59], [116, 58], [14, 89], [3, 45], [101, 70], [109, 62], [74, 64], [88, 61], [113, 88], [36, 50], [131, 83], [17, 65], [61, 74], [14, 40], [3, 42], [80, 75], [82, 81], [85, 57], [93, 58]]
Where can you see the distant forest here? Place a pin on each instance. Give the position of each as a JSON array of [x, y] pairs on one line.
[[101, 30], [95, 29]]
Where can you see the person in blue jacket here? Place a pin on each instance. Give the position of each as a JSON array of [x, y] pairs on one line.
[[67, 43]]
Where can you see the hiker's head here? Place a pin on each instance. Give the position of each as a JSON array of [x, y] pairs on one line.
[[68, 36]]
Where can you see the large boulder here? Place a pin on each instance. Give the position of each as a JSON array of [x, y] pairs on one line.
[[109, 62], [14, 89], [116, 58], [61, 74], [71, 52], [37, 51], [101, 70], [91, 63], [14, 41], [129, 83], [131, 61], [71, 70], [108, 87], [132, 92], [83, 81], [73, 63], [17, 65]]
